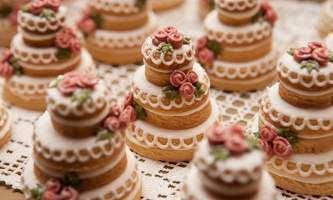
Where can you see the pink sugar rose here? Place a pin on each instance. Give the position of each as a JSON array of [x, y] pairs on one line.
[[128, 115], [6, 70], [69, 32], [177, 78], [75, 45], [202, 42], [13, 18], [54, 4], [6, 56], [67, 87], [187, 90], [315, 45], [115, 110], [87, 25], [53, 185], [235, 144], [37, 6], [129, 99], [62, 40], [302, 53], [216, 135], [206, 57], [236, 129], [49, 195], [170, 29], [112, 123], [87, 81], [321, 56], [159, 37], [282, 147], [176, 40], [269, 12], [266, 147], [268, 133], [69, 193], [192, 77]]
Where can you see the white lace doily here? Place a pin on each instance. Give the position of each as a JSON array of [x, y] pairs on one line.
[[163, 180]]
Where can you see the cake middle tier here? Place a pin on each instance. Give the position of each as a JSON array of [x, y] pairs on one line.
[[178, 113]]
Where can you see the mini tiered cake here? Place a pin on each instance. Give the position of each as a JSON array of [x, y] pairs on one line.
[[171, 92], [79, 145], [237, 49], [296, 121], [162, 5], [114, 30], [5, 134], [8, 20], [42, 50], [325, 22], [228, 165]]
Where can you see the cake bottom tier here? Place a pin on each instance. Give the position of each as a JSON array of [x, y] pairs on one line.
[[168, 145], [161, 5], [126, 187], [244, 76], [5, 134], [194, 189]]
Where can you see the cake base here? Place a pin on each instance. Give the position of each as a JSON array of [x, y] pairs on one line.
[[194, 190], [162, 5], [168, 145]]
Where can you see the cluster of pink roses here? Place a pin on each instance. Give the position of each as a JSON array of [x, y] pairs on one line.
[[169, 35], [232, 138], [269, 13], [273, 144], [315, 50], [6, 69], [184, 83], [74, 80], [120, 117], [66, 39], [86, 24], [203, 53], [54, 190], [36, 7]]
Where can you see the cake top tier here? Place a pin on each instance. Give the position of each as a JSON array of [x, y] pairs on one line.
[[168, 47], [237, 5], [118, 6], [229, 155]]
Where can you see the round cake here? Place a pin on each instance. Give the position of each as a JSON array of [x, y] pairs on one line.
[[162, 5], [237, 50], [228, 165], [171, 94], [114, 30], [296, 121], [43, 49], [5, 126], [79, 145], [325, 21]]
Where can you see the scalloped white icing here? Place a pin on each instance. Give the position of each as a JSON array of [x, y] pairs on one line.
[[179, 56], [240, 169], [244, 70], [145, 129], [122, 39], [236, 5], [287, 66], [240, 14], [65, 106], [59, 146], [293, 113], [235, 34], [141, 83], [117, 6], [34, 23]]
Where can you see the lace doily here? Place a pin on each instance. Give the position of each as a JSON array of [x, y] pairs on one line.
[[162, 180]]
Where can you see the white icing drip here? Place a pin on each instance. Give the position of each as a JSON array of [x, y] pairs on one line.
[[65, 106], [117, 6], [236, 5], [288, 115], [153, 95], [143, 130], [240, 15], [122, 39], [244, 70], [307, 93], [305, 164], [242, 169], [84, 175], [61, 148], [25, 85], [179, 56], [196, 190], [239, 34], [288, 68], [41, 24]]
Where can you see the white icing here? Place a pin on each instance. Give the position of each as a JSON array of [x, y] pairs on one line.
[[244, 70], [240, 15], [117, 6], [196, 190], [142, 130], [287, 115], [288, 68], [235, 34], [27, 87], [153, 95], [236, 5], [64, 106], [184, 68], [179, 56], [127, 183], [242, 169], [122, 39], [41, 24], [59, 146]]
